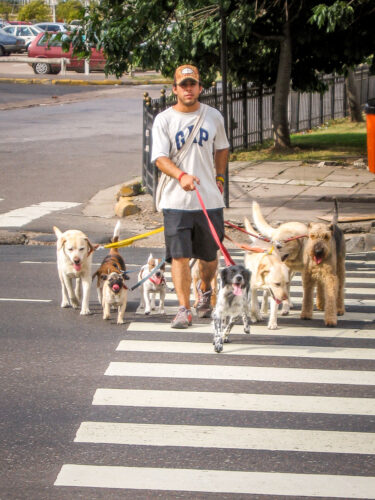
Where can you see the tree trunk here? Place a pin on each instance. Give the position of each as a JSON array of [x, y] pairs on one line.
[[353, 99], [280, 111]]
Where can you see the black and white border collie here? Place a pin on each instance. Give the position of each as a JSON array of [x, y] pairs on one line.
[[233, 301]]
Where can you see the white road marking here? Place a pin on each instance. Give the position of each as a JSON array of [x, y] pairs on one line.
[[243, 438], [248, 349], [3, 299], [249, 373], [22, 216], [257, 329], [214, 481], [234, 401]]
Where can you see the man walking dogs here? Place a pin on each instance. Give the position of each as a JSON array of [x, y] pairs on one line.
[[200, 161]]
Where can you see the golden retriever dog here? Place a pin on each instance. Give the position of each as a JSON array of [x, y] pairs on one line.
[[291, 252], [74, 259], [269, 274]]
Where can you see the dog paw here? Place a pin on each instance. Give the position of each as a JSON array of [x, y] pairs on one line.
[[218, 346], [106, 317], [65, 304], [120, 321], [161, 311], [330, 323], [285, 309], [272, 326], [306, 316], [246, 329], [341, 312], [256, 317], [85, 312], [147, 313]]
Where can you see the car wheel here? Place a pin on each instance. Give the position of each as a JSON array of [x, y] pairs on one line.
[[2, 51], [42, 68]]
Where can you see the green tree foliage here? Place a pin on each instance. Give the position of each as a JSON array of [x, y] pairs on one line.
[[270, 42], [36, 10], [5, 9], [69, 10]]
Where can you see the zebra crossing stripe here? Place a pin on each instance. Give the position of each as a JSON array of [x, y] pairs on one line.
[[248, 349], [244, 438], [214, 481], [249, 373], [257, 329], [22, 216], [234, 401]]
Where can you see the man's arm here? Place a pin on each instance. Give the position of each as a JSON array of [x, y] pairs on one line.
[[221, 161], [167, 166]]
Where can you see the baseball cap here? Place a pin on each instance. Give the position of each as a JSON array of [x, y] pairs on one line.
[[186, 72]]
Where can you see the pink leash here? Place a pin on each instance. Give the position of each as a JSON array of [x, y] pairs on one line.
[[228, 259]]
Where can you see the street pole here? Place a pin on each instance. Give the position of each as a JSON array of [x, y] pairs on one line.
[[87, 61], [223, 61]]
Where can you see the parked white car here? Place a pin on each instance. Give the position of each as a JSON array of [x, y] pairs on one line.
[[28, 33]]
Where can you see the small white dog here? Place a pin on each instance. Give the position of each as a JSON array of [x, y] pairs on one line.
[[269, 274], [115, 294], [155, 285], [232, 301], [74, 258]]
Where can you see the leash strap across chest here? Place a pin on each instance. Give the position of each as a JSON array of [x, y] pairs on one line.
[[228, 259]]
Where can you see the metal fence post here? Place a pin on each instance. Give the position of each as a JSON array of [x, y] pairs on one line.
[[321, 108], [333, 98], [297, 111], [260, 113], [230, 113], [310, 110], [345, 99], [244, 113], [215, 93]]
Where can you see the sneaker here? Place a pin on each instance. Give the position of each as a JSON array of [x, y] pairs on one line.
[[183, 318], [203, 308]]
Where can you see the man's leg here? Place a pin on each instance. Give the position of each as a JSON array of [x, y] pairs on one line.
[[181, 277], [207, 270]]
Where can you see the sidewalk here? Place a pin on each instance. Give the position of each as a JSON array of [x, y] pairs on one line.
[[286, 191], [23, 73]]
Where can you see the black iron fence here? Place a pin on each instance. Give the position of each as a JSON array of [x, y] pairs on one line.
[[250, 113]]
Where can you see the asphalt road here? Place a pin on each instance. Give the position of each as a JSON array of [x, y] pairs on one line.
[[311, 421], [67, 148]]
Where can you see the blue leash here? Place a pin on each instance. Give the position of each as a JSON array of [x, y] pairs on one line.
[[148, 276]]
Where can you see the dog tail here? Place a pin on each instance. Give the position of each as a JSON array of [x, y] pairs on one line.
[[335, 216], [263, 227], [57, 231], [116, 232], [249, 228]]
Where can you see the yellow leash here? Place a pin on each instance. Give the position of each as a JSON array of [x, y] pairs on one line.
[[129, 241]]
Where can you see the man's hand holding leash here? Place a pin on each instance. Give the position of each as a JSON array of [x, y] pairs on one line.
[[187, 181]]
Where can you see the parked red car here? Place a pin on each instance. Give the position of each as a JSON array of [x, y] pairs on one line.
[[45, 45]]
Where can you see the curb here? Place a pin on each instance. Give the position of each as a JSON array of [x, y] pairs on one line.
[[47, 81]]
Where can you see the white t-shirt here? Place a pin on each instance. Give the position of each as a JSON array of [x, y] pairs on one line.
[[170, 130]]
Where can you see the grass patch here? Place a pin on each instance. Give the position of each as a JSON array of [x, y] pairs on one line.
[[335, 140]]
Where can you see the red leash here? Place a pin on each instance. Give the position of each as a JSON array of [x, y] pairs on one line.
[[228, 259], [263, 238]]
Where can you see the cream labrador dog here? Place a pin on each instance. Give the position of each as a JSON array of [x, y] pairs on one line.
[[291, 252], [74, 257], [269, 274]]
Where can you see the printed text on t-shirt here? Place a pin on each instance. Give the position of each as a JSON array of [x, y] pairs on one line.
[[200, 137]]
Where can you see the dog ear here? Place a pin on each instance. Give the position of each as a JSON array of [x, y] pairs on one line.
[[247, 275], [92, 247], [261, 274], [224, 275], [60, 243], [150, 257], [284, 257]]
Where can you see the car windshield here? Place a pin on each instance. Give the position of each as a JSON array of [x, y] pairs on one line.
[[2, 32], [35, 30]]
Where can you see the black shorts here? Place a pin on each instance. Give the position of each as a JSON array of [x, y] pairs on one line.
[[187, 234]]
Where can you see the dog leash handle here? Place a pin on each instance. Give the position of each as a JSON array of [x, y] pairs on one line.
[[228, 259]]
